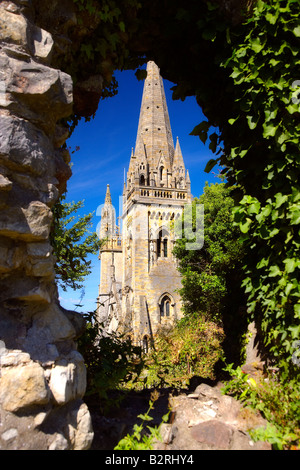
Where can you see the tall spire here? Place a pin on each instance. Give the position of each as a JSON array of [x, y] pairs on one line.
[[154, 137], [154, 162], [108, 195], [108, 217]]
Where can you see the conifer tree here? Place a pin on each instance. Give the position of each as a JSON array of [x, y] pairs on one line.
[[72, 242]]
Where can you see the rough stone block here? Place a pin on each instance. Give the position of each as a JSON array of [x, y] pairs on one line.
[[24, 147], [13, 28], [68, 379], [23, 386], [31, 223], [213, 433]]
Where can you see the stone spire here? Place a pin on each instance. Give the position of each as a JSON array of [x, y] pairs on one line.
[[178, 169], [107, 196], [154, 137], [154, 162], [108, 217], [178, 158]]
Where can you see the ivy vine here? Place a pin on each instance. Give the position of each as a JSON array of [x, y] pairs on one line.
[[261, 156]]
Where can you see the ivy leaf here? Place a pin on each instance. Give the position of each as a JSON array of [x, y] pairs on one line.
[[254, 208], [213, 142], [269, 130], [210, 165], [201, 130], [145, 417], [280, 199], [88, 49], [297, 310], [274, 271], [209, 34], [233, 120], [256, 45], [296, 31], [295, 217], [244, 227], [272, 18], [122, 26], [290, 265], [252, 121]]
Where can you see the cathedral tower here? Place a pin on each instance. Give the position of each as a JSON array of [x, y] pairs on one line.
[[156, 188]]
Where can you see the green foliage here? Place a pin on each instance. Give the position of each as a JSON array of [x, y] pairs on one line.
[[207, 272], [277, 399], [143, 437], [262, 139], [191, 348], [111, 361], [72, 243]]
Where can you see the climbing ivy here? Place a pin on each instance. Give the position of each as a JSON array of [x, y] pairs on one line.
[[261, 154]]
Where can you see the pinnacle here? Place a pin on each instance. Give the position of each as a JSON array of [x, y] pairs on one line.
[[108, 195]]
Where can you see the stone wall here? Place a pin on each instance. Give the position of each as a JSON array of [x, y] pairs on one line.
[[43, 376]]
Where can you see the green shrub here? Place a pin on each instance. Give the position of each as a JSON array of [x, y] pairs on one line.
[[276, 399], [143, 437], [191, 348], [111, 361]]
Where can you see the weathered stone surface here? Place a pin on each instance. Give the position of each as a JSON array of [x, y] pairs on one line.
[[213, 433], [39, 250], [25, 289], [37, 337], [5, 184], [13, 358], [11, 255], [62, 171], [208, 420], [68, 378], [35, 91], [80, 429], [10, 434], [23, 386], [31, 223], [40, 260], [42, 43], [49, 328], [24, 147], [87, 94], [13, 28], [59, 443]]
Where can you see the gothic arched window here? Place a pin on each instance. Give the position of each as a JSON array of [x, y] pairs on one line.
[[142, 180], [162, 244], [161, 172], [165, 306]]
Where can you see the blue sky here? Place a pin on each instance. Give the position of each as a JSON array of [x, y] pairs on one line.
[[105, 146]]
